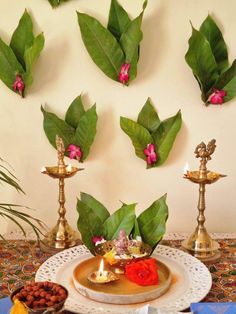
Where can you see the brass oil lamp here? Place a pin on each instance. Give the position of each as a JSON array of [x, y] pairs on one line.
[[200, 244], [62, 236]]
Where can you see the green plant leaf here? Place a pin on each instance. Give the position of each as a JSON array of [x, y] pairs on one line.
[[56, 3], [118, 19], [9, 65], [214, 36], [101, 45], [97, 207], [22, 38], [227, 82], [75, 112], [148, 117], [130, 41], [152, 222], [85, 132], [31, 55], [165, 135], [139, 136], [54, 126], [136, 232], [123, 218], [202, 62], [89, 224]]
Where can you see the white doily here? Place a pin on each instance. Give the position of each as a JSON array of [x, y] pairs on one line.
[[196, 283]]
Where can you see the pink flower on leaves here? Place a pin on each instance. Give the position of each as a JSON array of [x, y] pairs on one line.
[[151, 156], [217, 97], [74, 152], [97, 240], [124, 73], [18, 85]]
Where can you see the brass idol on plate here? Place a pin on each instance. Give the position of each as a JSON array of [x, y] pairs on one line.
[[62, 236], [200, 244]]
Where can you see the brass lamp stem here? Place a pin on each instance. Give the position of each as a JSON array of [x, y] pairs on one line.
[[201, 206]]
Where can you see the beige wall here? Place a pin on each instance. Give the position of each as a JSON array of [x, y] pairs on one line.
[[112, 171]]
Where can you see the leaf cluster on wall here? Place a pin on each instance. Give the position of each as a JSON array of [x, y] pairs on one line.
[[207, 56], [78, 128], [116, 46], [149, 129], [17, 59], [95, 220]]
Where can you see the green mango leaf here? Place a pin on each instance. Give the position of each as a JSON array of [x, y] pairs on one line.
[[152, 222], [22, 38], [85, 132], [98, 208], [54, 126], [75, 112], [130, 41], [139, 136], [136, 231], [9, 65], [89, 224], [30, 57], [123, 218], [101, 45], [214, 36], [148, 117], [227, 82], [56, 3], [118, 19], [165, 135], [202, 62]]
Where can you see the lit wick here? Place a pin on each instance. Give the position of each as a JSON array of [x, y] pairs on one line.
[[102, 276], [186, 169], [69, 168], [43, 169]]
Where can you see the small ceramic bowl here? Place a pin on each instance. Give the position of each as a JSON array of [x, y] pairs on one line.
[[55, 308]]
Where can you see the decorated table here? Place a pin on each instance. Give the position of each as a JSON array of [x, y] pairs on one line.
[[20, 261]]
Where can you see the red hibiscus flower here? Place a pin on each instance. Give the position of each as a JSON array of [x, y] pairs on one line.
[[143, 272]]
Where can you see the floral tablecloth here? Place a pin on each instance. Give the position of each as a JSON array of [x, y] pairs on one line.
[[19, 261]]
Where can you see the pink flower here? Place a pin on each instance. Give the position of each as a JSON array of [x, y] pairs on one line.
[[217, 97], [124, 73], [151, 156], [74, 152], [18, 85], [97, 240]]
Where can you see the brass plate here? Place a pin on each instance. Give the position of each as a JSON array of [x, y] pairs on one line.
[[121, 291]]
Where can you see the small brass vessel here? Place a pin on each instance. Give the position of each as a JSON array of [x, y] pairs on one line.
[[62, 236], [200, 244]]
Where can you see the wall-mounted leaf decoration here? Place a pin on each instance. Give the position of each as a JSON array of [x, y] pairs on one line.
[[207, 56], [151, 137], [77, 131], [17, 59], [95, 221], [56, 3], [115, 49]]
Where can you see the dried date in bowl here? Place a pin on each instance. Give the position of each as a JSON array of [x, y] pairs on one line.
[[41, 297]]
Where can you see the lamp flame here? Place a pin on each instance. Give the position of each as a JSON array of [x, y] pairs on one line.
[[101, 268], [69, 168], [186, 168], [43, 169]]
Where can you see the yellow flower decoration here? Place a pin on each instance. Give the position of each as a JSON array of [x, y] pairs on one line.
[[18, 308]]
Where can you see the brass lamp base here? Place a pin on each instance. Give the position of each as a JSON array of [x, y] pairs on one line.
[[201, 245], [61, 237]]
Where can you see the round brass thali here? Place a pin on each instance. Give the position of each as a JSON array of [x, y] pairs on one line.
[[122, 291]]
